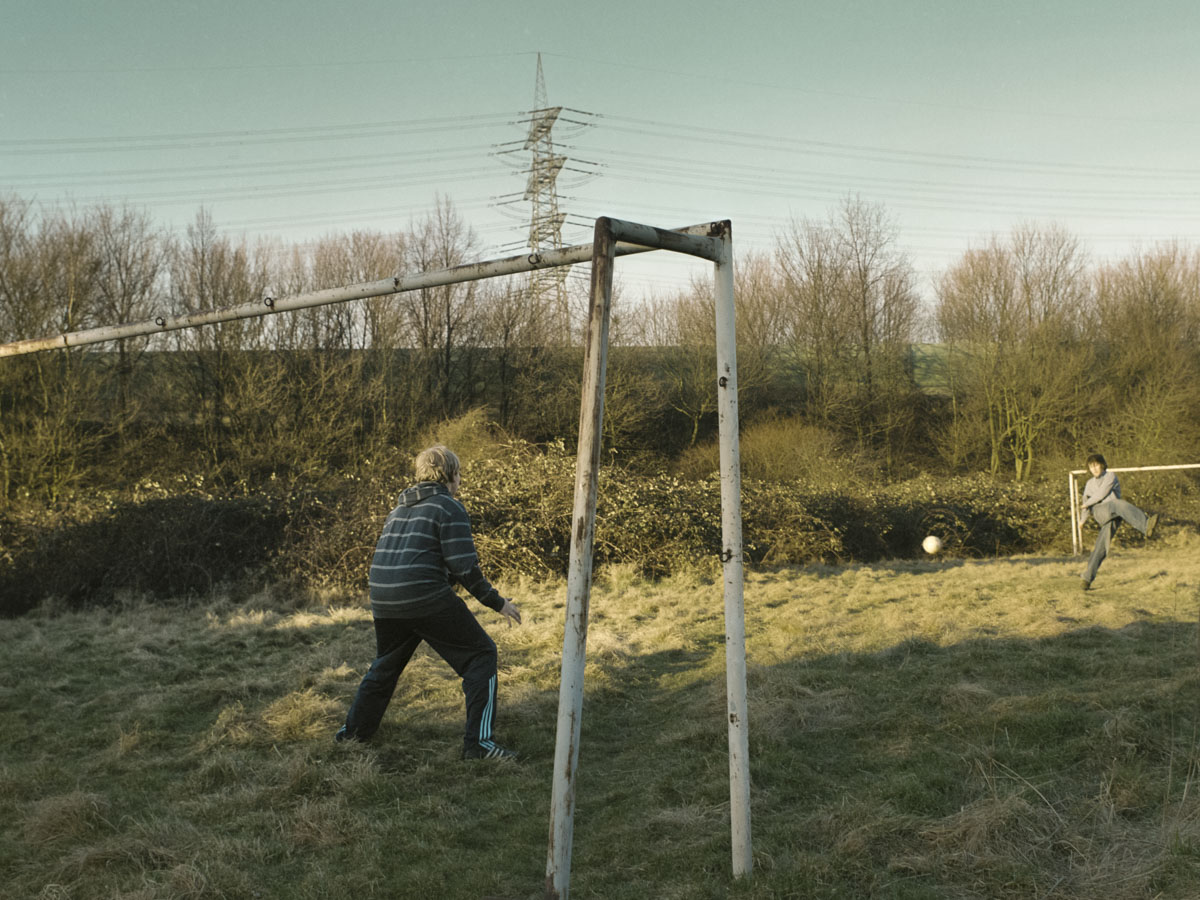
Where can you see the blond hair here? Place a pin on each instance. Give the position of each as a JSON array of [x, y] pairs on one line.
[[437, 463]]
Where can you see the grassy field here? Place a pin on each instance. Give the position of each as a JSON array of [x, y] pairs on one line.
[[933, 729]]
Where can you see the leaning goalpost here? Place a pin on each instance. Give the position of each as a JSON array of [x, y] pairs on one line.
[[612, 238], [1074, 499]]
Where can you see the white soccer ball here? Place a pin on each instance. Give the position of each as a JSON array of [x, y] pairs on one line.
[[932, 544]]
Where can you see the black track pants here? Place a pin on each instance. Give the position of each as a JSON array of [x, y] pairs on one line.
[[457, 638]]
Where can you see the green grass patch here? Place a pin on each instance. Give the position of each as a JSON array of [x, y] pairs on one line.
[[919, 729]]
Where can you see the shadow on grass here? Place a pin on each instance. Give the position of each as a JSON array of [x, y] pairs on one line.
[[869, 769], [171, 547], [990, 767], [865, 765]]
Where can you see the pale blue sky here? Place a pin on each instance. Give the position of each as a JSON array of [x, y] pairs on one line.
[[294, 120]]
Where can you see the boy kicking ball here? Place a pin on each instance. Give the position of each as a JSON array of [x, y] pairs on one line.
[[1102, 501]]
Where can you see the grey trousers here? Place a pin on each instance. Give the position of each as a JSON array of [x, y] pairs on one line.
[[1109, 515]]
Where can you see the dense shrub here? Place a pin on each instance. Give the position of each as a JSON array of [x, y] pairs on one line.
[[520, 505], [521, 509], [783, 449], [168, 547], [178, 543]]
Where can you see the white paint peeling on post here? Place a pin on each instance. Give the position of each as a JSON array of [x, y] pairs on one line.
[[579, 577], [1076, 525], [715, 245], [731, 556]]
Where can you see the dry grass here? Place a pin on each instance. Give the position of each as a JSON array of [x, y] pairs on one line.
[[928, 729], [64, 817]]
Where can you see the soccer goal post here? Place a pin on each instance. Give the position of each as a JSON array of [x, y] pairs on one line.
[[1074, 498], [712, 241]]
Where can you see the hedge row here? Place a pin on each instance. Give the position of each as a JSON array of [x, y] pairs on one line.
[[181, 541], [662, 524]]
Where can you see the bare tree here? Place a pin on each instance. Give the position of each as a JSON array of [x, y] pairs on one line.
[[1011, 315], [229, 399], [52, 420], [443, 323], [818, 328], [517, 332], [347, 378], [129, 285], [23, 307], [852, 317], [68, 261], [1148, 311], [683, 328], [22, 315]]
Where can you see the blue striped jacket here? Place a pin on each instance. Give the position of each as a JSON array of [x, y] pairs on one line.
[[425, 547]]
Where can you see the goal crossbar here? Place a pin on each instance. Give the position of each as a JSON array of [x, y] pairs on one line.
[[676, 239]]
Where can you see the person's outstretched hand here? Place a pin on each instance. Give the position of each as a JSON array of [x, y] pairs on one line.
[[510, 610]]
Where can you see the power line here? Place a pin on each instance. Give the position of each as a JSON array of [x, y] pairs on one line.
[[250, 170], [208, 139], [736, 177], [741, 172], [358, 62], [710, 136], [297, 189]]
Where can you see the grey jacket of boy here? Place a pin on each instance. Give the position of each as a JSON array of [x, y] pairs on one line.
[[1105, 486]]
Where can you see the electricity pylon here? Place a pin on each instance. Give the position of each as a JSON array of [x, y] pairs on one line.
[[547, 287]]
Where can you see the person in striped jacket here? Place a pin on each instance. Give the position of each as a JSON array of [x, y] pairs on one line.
[[425, 548]]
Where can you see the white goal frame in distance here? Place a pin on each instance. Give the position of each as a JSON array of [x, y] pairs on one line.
[[1074, 498], [712, 241]]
